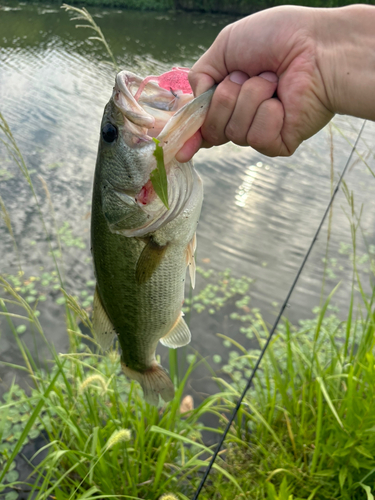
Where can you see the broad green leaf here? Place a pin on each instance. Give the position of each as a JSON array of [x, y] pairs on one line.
[[158, 176], [367, 489], [363, 451], [351, 442], [283, 493], [342, 475], [12, 495], [325, 473], [271, 492], [354, 462], [341, 452]]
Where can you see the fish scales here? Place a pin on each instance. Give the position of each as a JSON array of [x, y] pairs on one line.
[[147, 311], [140, 249]]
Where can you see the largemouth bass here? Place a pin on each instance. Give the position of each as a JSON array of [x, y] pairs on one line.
[[140, 249]]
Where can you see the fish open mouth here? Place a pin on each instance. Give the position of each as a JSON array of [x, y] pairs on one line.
[[146, 105], [161, 107]]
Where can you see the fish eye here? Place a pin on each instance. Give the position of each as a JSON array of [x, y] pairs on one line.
[[109, 132]]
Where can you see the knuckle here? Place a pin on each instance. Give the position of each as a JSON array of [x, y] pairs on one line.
[[256, 141], [223, 36], [233, 133], [212, 135], [265, 133], [258, 88], [225, 98], [271, 148], [225, 31]]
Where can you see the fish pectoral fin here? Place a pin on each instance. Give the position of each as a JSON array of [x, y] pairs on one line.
[[178, 336], [190, 259], [149, 261], [103, 329]]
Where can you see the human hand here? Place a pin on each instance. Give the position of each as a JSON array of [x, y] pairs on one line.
[[296, 47]]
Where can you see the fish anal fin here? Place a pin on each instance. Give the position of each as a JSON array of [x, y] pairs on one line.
[[155, 381], [190, 259], [178, 336], [149, 260], [103, 329]]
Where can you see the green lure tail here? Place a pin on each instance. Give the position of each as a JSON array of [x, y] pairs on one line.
[[158, 176]]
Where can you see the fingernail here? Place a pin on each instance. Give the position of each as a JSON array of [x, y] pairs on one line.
[[271, 77], [238, 77]]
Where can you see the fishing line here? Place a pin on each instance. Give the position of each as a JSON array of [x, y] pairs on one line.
[[249, 382]]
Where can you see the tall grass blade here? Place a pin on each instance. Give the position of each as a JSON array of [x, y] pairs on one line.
[[329, 401], [35, 414], [165, 432], [351, 145], [222, 471], [6, 218], [84, 15], [17, 156]]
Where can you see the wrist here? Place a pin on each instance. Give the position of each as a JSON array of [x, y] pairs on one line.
[[346, 59]]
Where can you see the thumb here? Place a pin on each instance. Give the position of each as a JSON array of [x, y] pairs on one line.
[[200, 82]]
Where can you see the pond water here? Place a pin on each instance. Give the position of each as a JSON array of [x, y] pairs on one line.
[[259, 214]]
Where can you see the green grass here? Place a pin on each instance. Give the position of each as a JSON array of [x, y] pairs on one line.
[[308, 423], [102, 438], [306, 429]]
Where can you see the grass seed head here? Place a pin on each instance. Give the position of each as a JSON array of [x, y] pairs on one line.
[[90, 380], [114, 356], [119, 436]]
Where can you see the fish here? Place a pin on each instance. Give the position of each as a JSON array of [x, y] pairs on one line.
[[141, 250]]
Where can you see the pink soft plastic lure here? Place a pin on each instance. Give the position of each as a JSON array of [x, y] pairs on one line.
[[174, 80]]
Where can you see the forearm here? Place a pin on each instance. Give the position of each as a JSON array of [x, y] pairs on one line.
[[346, 59]]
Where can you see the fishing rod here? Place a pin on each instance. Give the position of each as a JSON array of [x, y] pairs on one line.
[[261, 355]]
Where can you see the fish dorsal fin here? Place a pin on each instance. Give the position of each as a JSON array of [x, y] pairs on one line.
[[102, 325], [190, 259], [178, 336], [149, 260]]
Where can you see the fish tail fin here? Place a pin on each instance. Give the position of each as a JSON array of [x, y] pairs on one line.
[[155, 381]]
